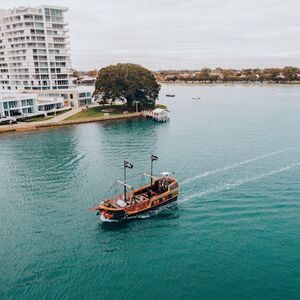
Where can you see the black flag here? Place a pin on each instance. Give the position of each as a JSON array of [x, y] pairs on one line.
[[153, 157], [127, 164]]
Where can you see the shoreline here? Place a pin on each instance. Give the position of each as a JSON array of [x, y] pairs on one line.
[[41, 125]]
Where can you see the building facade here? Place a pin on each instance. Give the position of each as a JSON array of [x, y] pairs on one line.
[[19, 105], [16, 104], [74, 97], [34, 49]]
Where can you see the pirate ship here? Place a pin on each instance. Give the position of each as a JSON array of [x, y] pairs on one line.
[[160, 191]]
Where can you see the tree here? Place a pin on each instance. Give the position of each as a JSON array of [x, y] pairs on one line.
[[290, 73], [205, 73], [92, 73], [75, 73], [127, 82]]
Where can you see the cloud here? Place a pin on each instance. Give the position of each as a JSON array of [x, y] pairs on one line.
[[164, 34]]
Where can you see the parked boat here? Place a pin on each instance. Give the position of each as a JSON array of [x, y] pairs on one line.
[[196, 97], [159, 192], [170, 95]]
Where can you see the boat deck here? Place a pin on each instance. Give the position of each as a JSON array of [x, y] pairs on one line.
[[162, 191], [140, 196], [131, 199]]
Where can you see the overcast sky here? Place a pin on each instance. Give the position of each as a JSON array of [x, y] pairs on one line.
[[179, 34]]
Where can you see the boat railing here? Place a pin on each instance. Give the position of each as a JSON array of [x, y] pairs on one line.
[[160, 117], [139, 206]]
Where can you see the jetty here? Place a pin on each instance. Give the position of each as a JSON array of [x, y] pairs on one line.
[[158, 114]]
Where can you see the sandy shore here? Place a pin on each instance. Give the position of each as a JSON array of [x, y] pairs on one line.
[[42, 125]]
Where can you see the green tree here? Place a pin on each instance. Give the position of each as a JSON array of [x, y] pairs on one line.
[[290, 73], [271, 74], [127, 82]]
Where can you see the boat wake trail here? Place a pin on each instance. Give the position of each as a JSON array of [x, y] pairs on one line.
[[229, 186], [230, 167]]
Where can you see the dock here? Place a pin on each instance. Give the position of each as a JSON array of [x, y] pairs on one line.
[[158, 114]]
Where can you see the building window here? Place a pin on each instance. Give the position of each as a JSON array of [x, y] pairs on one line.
[[13, 104]]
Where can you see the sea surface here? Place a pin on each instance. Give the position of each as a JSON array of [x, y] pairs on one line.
[[235, 233]]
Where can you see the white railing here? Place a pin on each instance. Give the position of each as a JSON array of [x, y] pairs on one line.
[[159, 117]]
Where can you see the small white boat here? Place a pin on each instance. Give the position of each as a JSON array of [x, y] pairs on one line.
[[196, 97]]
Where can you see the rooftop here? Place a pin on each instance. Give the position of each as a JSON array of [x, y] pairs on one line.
[[85, 88], [159, 110], [15, 96], [28, 9]]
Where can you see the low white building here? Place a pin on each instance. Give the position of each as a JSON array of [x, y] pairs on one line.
[[15, 105], [50, 105], [75, 97], [85, 95], [87, 80]]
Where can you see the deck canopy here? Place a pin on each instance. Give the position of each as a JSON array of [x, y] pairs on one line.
[[159, 111]]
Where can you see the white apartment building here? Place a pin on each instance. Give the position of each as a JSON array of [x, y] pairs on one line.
[[34, 49]]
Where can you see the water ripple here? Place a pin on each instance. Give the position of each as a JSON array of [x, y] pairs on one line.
[[230, 167], [228, 186]]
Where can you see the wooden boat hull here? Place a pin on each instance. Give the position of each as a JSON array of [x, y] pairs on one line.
[[111, 215], [159, 193]]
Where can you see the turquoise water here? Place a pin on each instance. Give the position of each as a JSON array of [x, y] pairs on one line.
[[234, 235]]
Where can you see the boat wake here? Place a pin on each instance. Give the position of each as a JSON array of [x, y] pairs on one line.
[[103, 219], [230, 167], [229, 186], [155, 212]]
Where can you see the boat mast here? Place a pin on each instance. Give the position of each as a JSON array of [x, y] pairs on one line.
[[153, 158], [128, 165]]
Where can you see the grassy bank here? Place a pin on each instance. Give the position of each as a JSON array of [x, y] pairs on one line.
[[105, 110], [99, 111], [162, 106]]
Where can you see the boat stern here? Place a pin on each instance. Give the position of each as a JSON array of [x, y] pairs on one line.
[[108, 213]]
